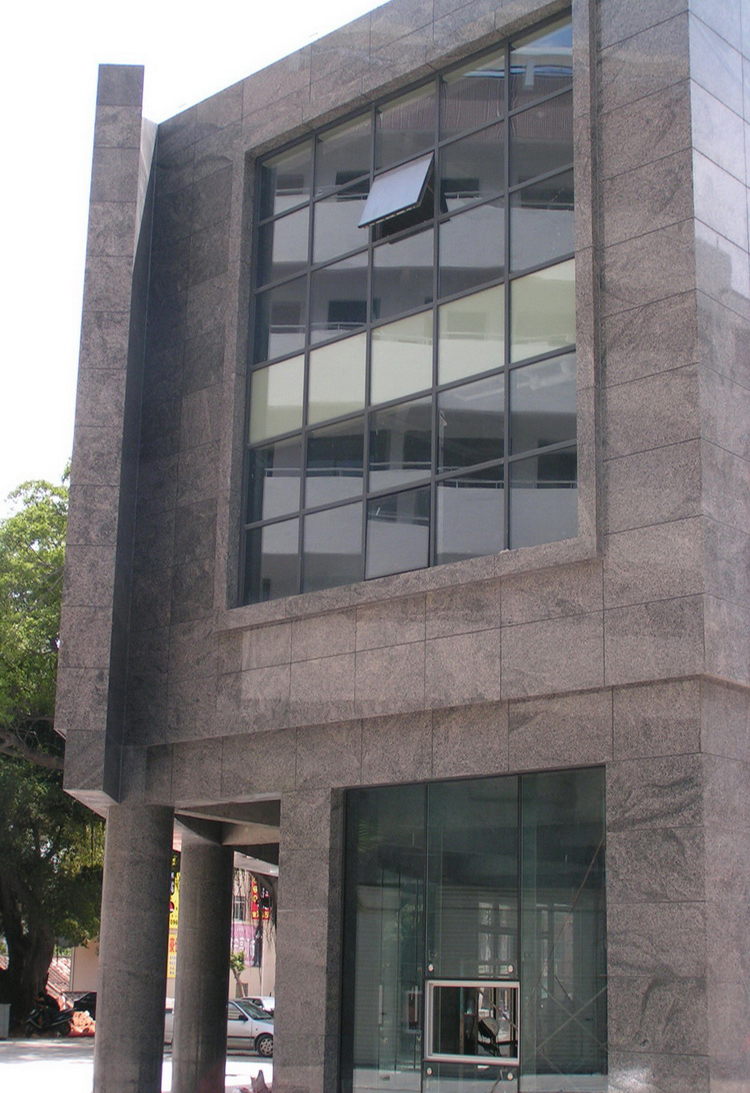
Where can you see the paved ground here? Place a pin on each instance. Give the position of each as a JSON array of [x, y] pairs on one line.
[[67, 1066]]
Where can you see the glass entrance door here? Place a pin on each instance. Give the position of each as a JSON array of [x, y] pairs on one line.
[[474, 944]]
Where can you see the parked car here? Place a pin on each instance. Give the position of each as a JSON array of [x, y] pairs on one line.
[[266, 1002], [248, 1026]]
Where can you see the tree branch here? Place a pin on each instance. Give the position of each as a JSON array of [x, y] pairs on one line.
[[14, 748]]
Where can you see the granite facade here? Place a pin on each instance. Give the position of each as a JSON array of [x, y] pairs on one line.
[[626, 647]]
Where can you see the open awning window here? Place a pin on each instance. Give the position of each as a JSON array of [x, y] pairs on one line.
[[405, 192]]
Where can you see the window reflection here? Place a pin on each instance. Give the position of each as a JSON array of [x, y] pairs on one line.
[[335, 462], [543, 499], [405, 127], [541, 63], [471, 333], [274, 479], [542, 311], [280, 320], [282, 246], [343, 154], [402, 274], [541, 222], [472, 96], [472, 169], [276, 399], [543, 403], [337, 379], [401, 357], [272, 561], [398, 532], [541, 139], [471, 424], [339, 298], [472, 248], [285, 180], [332, 548], [470, 515], [337, 228], [400, 444]]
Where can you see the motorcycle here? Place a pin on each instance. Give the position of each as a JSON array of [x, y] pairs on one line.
[[48, 1019]]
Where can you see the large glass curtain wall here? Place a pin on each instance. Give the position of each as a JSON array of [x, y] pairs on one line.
[[474, 927], [412, 391]]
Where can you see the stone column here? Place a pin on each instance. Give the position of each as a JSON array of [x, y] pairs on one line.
[[201, 984], [133, 950]]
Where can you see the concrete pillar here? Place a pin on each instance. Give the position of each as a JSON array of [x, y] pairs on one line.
[[201, 985], [133, 950]]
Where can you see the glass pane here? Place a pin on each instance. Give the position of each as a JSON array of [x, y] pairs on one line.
[[541, 222], [543, 311], [273, 479], [280, 315], [276, 399], [339, 298], [541, 63], [402, 274], [472, 168], [473, 95], [543, 404], [335, 462], [471, 335], [401, 358], [272, 562], [337, 379], [470, 516], [282, 246], [472, 248], [398, 532], [472, 1019], [541, 139], [405, 127], [383, 938], [544, 499], [343, 154], [471, 423], [397, 190], [285, 180], [332, 548], [468, 1078], [337, 228], [400, 444], [563, 919]]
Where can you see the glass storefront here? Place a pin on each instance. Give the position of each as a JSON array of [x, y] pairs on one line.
[[474, 936]]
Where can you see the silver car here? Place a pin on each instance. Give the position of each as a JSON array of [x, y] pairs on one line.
[[248, 1026]]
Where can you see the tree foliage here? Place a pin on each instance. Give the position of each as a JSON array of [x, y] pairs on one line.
[[50, 845]]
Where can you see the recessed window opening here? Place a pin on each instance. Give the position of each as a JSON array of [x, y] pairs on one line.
[[414, 322]]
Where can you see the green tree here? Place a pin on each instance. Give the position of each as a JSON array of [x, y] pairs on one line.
[[50, 845]]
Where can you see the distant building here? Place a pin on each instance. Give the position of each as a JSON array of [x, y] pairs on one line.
[[408, 550]]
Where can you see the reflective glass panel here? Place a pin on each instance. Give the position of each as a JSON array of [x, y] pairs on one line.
[[543, 404], [272, 561], [543, 499], [280, 319], [541, 222], [285, 180], [337, 228], [339, 298], [472, 1019], [273, 479], [472, 248], [471, 335], [543, 311], [400, 444], [332, 548], [335, 462], [337, 379], [401, 357], [398, 532], [282, 246], [563, 1020], [343, 154], [541, 139], [471, 424], [276, 399], [473, 168], [402, 274], [473, 95], [470, 515], [541, 63], [405, 127]]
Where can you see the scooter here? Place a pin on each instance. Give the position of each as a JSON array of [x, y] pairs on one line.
[[44, 1020]]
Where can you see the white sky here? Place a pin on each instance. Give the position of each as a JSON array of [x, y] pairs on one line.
[[48, 79]]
